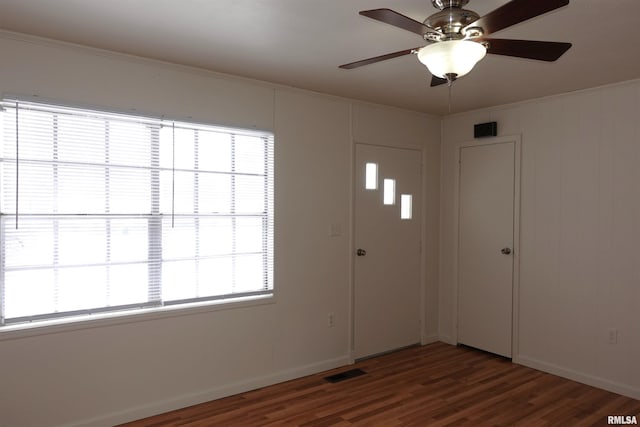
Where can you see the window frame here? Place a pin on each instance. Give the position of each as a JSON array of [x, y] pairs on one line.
[[150, 310]]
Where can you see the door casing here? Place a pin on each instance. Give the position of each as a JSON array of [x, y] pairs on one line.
[[516, 140], [422, 291]]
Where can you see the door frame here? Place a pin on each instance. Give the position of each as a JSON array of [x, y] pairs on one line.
[[424, 338], [516, 140]]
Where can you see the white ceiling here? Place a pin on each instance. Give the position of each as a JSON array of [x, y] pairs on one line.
[[300, 43]]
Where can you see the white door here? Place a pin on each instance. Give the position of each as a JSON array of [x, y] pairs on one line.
[[485, 246], [387, 238]]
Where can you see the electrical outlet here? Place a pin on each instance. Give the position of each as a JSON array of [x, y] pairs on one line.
[[613, 336], [331, 321]]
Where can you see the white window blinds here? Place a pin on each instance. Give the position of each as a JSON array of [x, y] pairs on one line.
[[103, 211]]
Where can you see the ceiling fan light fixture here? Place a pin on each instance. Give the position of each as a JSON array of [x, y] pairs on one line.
[[452, 57]]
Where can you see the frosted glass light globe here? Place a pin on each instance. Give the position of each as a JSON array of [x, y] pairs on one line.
[[453, 57]]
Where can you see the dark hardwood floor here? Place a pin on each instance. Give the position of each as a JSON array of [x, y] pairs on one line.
[[434, 385]]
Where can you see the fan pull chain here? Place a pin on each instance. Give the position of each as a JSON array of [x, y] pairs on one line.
[[173, 175], [449, 84], [17, 163]]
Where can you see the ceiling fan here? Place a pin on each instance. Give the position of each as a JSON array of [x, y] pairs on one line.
[[457, 39]]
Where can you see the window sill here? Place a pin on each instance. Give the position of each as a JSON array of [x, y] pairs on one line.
[[70, 324]]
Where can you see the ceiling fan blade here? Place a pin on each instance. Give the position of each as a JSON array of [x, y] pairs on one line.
[[375, 59], [437, 81], [514, 12], [396, 19], [531, 49]]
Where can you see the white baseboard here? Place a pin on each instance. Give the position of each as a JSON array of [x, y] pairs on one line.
[[185, 400], [447, 339], [580, 377], [429, 339]]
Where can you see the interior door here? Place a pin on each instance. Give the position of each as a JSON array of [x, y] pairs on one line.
[[387, 237], [485, 247]]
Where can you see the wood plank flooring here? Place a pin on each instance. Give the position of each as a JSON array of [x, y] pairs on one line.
[[434, 385]]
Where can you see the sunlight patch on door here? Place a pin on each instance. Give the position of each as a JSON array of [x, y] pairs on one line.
[[406, 207], [389, 189], [371, 176]]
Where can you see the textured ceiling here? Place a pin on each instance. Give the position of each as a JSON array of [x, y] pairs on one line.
[[300, 43]]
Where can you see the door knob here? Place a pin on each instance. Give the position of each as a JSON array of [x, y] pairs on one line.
[[361, 252], [506, 251]]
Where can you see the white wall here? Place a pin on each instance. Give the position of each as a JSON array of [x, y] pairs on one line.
[[114, 372], [381, 126], [580, 228]]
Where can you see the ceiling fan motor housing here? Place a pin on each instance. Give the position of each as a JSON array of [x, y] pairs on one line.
[[451, 21], [443, 4]]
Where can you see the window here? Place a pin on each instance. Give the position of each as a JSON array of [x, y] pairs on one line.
[[371, 176], [389, 194], [406, 206], [107, 212]]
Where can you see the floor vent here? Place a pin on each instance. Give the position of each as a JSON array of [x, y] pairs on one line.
[[342, 376]]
